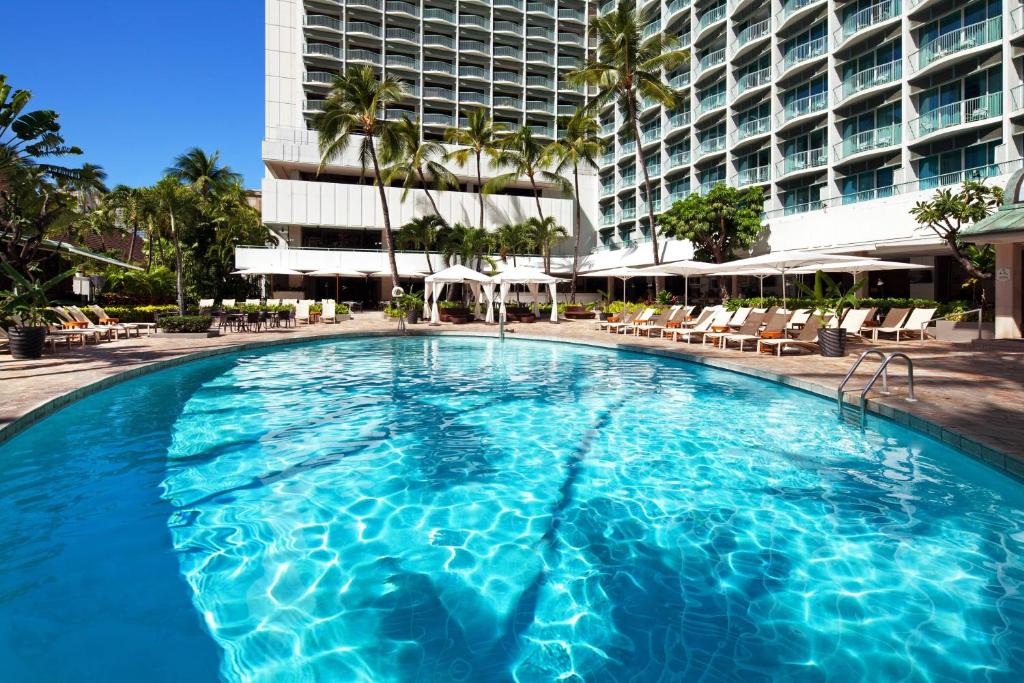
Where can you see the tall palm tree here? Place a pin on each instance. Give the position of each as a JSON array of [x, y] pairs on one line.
[[580, 145], [514, 238], [353, 107], [480, 136], [469, 244], [526, 156], [422, 233], [202, 171], [627, 66], [417, 158], [546, 234], [173, 199]]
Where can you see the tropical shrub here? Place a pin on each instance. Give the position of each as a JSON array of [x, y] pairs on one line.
[[882, 304], [185, 323], [134, 314]]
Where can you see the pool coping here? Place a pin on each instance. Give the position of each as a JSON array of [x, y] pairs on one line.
[[992, 457]]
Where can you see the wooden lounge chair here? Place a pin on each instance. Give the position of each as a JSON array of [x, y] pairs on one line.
[[624, 319], [645, 318], [853, 322], [893, 321], [806, 340], [704, 315], [751, 326], [912, 324], [776, 324], [799, 318], [71, 322]]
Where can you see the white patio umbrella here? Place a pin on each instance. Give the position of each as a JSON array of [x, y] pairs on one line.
[[685, 269], [626, 273], [781, 263], [264, 271], [533, 279], [433, 288], [336, 273]]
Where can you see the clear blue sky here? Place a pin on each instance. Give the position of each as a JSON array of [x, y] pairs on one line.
[[137, 83]]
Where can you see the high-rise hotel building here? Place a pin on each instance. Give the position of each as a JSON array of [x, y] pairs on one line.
[[844, 112]]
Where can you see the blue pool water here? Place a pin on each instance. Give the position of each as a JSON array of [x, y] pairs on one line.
[[428, 509]]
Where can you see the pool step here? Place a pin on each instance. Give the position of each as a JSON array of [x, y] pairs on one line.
[[850, 414]]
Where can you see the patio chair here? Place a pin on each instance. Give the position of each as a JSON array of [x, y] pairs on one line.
[[624, 319], [853, 322], [704, 314], [81, 317], [719, 318], [205, 303], [807, 340], [799, 318], [71, 322], [227, 303], [751, 326], [739, 317], [301, 313], [102, 315], [252, 302], [893, 321], [644, 318], [776, 325], [913, 324], [659, 323], [329, 314]]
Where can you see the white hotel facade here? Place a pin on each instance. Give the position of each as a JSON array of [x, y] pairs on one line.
[[845, 113]]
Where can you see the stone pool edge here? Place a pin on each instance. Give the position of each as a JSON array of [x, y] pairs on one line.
[[992, 457]]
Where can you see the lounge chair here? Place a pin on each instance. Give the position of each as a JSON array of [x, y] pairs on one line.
[[853, 322], [302, 313], [252, 302], [806, 340], [645, 318], [659, 323], [751, 326], [95, 331], [720, 318], [777, 323], [227, 303], [205, 303], [893, 321], [799, 318], [624, 319], [912, 324], [81, 317], [704, 315], [739, 317], [329, 313], [102, 315]]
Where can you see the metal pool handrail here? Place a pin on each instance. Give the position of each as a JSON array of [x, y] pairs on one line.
[[946, 317]]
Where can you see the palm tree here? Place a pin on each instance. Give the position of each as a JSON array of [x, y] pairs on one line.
[[202, 171], [353, 106], [422, 233], [626, 66], [546, 233], [469, 244], [514, 238], [416, 159], [480, 136], [526, 156], [580, 145], [173, 198]]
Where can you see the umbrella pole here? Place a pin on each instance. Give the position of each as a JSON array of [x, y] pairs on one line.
[[337, 287], [686, 291]]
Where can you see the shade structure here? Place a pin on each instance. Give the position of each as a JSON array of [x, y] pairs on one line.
[[684, 269], [626, 273], [533, 279], [269, 270], [781, 263], [434, 285], [861, 266], [336, 274]]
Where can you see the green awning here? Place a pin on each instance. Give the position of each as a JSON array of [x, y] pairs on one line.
[[1008, 219]]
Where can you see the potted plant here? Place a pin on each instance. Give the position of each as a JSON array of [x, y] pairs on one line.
[[24, 312], [410, 305], [829, 302]]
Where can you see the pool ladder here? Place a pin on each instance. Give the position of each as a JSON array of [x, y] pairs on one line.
[[845, 409]]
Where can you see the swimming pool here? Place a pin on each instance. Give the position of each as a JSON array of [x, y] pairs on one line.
[[455, 509]]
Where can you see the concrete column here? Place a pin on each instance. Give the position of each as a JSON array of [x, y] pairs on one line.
[[1009, 295]]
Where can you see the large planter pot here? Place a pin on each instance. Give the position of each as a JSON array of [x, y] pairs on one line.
[[832, 342], [27, 342], [412, 316]]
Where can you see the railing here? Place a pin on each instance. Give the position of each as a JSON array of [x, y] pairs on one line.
[[323, 49], [710, 146], [607, 189], [542, 7], [508, 27], [706, 186], [515, 4], [754, 79], [474, 98], [883, 372], [711, 102], [567, 109], [651, 134], [363, 56], [680, 80], [472, 20], [568, 13], [753, 176], [805, 51], [406, 7], [607, 219], [438, 40], [753, 32], [322, 21], [793, 6], [805, 105], [957, 113], [800, 161], [647, 103], [679, 159], [890, 72], [607, 158], [607, 129], [472, 45], [508, 51], [626, 181], [958, 40], [711, 59], [507, 102], [655, 205], [434, 92], [507, 77], [606, 7], [540, 105], [469, 71], [540, 82], [1017, 18], [313, 105], [958, 177], [567, 60], [867, 195], [679, 119], [562, 85], [540, 32], [716, 13], [873, 14], [363, 27], [439, 14], [679, 196], [543, 57], [570, 38], [654, 169], [628, 212], [677, 5], [543, 131], [753, 127], [373, 4], [650, 29], [1017, 95], [319, 77], [433, 119], [403, 61], [627, 147], [435, 66], [402, 34], [974, 311], [867, 140]]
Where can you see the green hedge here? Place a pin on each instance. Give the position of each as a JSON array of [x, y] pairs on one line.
[[133, 314], [185, 323], [883, 305]]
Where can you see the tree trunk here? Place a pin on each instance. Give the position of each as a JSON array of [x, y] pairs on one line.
[[149, 266], [536, 197], [131, 245], [964, 260], [480, 188], [389, 241], [579, 224], [647, 181], [430, 197], [178, 277], [430, 266]]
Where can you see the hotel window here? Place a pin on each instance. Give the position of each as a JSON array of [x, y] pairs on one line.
[[861, 187], [968, 163]]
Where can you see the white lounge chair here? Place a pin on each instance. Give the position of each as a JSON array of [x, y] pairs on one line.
[[329, 312], [659, 324], [624, 319], [893, 321], [102, 315], [719, 318], [776, 323], [227, 303], [81, 317], [206, 303], [252, 302], [807, 340], [302, 313], [912, 324], [739, 317], [644, 318]]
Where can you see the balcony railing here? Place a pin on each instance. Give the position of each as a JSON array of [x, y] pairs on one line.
[[957, 113], [474, 98], [679, 119], [710, 102], [628, 212], [542, 7], [959, 40], [514, 4], [1017, 95], [435, 66], [805, 105], [873, 14], [373, 4], [542, 57], [710, 146], [711, 59], [508, 27], [507, 77], [472, 46], [714, 14], [565, 37], [438, 40], [706, 186], [508, 51], [473, 20], [650, 29], [793, 6], [679, 159], [753, 32], [314, 105], [627, 147], [805, 51], [607, 158], [607, 189], [567, 61], [323, 49], [540, 32], [405, 61], [890, 72], [567, 109], [607, 128], [434, 119], [677, 5], [800, 161], [627, 181], [753, 127], [406, 7], [753, 176], [542, 131], [607, 218], [540, 105], [654, 169], [754, 79], [434, 92], [439, 14], [650, 134], [957, 177], [469, 71], [568, 13], [678, 196], [562, 85], [321, 21], [540, 82], [402, 34], [867, 140], [680, 80], [363, 27], [507, 102], [363, 56], [319, 77], [868, 195]]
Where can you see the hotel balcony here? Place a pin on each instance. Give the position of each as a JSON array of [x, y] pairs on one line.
[[959, 42], [432, 92], [545, 82], [805, 107], [751, 36], [514, 4], [753, 176], [399, 7], [675, 8], [956, 115], [474, 21], [403, 34], [710, 104], [475, 72], [650, 135], [438, 14], [679, 120], [752, 129], [869, 81], [362, 28], [402, 62], [711, 146], [679, 159], [364, 56], [434, 66], [710, 18], [751, 82], [322, 50], [794, 9], [710, 61], [873, 15], [372, 4], [320, 21], [804, 53], [800, 162], [868, 141], [319, 77]]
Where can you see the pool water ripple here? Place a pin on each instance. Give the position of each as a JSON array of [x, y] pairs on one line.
[[428, 509]]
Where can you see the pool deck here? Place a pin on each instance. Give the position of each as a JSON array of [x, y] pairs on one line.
[[969, 395]]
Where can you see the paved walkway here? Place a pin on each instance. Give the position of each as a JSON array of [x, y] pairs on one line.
[[973, 390]]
